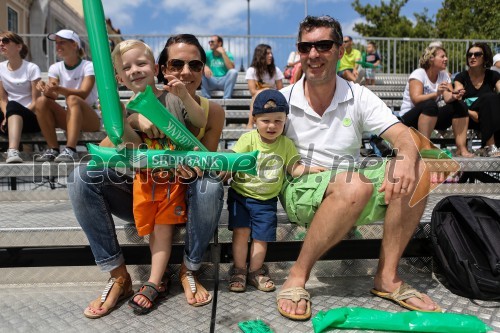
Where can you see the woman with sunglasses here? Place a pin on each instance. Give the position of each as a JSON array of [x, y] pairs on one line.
[[481, 87], [429, 101], [184, 58], [74, 79], [262, 74], [18, 79]]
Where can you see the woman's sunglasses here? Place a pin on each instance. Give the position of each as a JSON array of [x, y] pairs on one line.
[[5, 40], [320, 46], [475, 54], [177, 65]]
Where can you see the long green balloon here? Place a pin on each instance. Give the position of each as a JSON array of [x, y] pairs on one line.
[[168, 159], [148, 105], [103, 68], [410, 321]]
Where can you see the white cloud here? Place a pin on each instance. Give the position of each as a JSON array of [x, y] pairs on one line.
[[122, 11], [348, 28]]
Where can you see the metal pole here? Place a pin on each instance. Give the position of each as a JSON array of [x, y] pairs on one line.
[[305, 8], [248, 33]]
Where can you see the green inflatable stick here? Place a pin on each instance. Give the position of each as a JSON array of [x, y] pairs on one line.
[[412, 321], [103, 68], [436, 153], [170, 159], [148, 105]]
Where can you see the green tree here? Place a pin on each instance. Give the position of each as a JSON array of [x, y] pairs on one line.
[[385, 21], [465, 19]]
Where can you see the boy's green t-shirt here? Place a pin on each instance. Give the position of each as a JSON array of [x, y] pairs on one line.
[[271, 165]]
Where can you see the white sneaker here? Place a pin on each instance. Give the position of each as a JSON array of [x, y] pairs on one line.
[[13, 156], [67, 155]]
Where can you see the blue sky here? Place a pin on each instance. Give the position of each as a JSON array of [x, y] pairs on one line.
[[229, 17]]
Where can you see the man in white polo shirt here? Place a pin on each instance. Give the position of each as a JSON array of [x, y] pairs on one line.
[[327, 118]]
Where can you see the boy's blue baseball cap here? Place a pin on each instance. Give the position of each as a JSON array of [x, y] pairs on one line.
[[269, 95]]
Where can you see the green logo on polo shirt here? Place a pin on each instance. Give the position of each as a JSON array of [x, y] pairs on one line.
[[347, 122]]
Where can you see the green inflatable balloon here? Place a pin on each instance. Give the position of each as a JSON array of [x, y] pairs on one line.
[[103, 68], [412, 321], [170, 159], [436, 153], [148, 105]]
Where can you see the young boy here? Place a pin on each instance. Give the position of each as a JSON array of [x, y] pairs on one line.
[[373, 58], [159, 202], [252, 200]]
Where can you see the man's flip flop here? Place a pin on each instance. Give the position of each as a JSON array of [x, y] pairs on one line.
[[401, 294], [295, 294]]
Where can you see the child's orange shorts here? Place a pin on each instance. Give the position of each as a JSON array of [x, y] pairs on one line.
[[157, 203]]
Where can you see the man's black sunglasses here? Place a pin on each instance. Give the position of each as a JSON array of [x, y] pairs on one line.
[[5, 40], [320, 46]]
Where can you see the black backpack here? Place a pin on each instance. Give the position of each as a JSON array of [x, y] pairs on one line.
[[465, 232]]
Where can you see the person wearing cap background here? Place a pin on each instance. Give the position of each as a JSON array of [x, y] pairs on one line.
[[496, 63], [252, 200], [73, 78]]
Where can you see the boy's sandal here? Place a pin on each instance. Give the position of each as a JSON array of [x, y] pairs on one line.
[[295, 294], [188, 276], [238, 279], [125, 285], [151, 292], [260, 279]]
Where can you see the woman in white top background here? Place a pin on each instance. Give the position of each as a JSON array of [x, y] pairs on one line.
[[73, 78], [262, 74], [18, 79], [429, 101]]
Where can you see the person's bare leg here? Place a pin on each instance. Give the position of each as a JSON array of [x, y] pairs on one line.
[[15, 124], [160, 244], [50, 116], [349, 76], [426, 125], [400, 223], [258, 251], [96, 306], [240, 249], [459, 126], [80, 116], [347, 200]]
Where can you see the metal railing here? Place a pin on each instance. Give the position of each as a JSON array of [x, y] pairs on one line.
[[399, 55]]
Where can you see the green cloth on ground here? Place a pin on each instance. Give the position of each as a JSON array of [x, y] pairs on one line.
[[254, 326]]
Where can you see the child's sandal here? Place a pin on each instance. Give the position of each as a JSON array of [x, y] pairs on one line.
[[238, 280], [260, 279]]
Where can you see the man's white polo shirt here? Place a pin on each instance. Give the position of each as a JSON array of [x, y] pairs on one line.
[[336, 136]]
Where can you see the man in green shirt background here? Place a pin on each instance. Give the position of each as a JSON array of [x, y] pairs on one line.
[[348, 68], [219, 69]]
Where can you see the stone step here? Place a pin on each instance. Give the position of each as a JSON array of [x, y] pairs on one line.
[[49, 221]]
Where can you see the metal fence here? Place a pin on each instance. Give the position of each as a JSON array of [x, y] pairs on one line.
[[399, 55]]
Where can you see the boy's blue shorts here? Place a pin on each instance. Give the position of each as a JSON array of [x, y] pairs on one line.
[[258, 215]]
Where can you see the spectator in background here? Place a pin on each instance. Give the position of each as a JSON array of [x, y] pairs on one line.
[[480, 89], [429, 101], [373, 58], [18, 79], [219, 69], [496, 63], [293, 65], [262, 74], [348, 68], [73, 78]]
